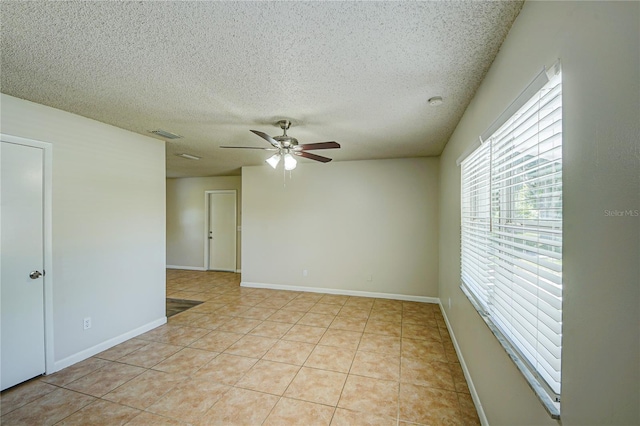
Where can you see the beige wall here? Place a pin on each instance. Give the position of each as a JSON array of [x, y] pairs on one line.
[[344, 223], [108, 226], [598, 44], [186, 218]]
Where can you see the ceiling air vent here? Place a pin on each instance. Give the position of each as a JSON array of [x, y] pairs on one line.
[[165, 134]]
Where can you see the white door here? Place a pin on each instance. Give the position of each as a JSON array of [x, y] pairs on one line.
[[22, 350], [222, 231]]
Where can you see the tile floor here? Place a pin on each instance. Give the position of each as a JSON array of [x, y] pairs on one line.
[[262, 357]]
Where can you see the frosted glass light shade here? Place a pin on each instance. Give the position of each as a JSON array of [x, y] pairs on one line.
[[290, 163], [274, 160]]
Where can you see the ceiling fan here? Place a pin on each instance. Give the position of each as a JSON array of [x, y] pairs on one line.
[[287, 147]]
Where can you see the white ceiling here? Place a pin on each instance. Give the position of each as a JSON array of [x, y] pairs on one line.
[[359, 73]]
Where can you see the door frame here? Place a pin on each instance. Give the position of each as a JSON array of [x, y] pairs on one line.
[[207, 263], [47, 149]]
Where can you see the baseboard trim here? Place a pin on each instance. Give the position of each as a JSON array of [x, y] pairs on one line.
[[467, 375], [238, 271], [187, 268], [405, 297], [87, 353]]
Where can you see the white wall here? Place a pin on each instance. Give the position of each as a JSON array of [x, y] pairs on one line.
[[186, 218], [108, 225], [598, 44], [343, 222]]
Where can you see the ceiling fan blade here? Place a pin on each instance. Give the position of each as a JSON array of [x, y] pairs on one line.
[[249, 147], [311, 156], [267, 138], [319, 145]]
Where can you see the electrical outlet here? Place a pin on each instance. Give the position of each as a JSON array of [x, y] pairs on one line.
[[369, 278], [87, 323]]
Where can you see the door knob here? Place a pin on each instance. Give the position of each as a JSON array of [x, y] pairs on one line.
[[34, 275]]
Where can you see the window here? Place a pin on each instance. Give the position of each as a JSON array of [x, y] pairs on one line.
[[511, 233]]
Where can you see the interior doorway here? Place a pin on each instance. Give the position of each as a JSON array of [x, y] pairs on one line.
[[220, 232], [25, 240]]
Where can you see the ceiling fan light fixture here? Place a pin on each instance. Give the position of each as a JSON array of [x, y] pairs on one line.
[[290, 163], [273, 160]]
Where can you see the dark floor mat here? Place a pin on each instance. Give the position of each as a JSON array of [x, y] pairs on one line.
[[175, 306]]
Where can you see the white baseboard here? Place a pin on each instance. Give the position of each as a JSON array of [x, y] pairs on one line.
[[238, 271], [467, 375], [187, 268], [87, 353], [359, 293]]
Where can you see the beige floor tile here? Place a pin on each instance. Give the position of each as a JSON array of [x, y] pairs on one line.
[[425, 405], [251, 346], [184, 318], [360, 302], [290, 317], [344, 417], [380, 343], [106, 379], [226, 369], [216, 341], [273, 303], [419, 331], [333, 299], [269, 377], [316, 320], [240, 407], [122, 349], [100, 413], [376, 365], [304, 333], [394, 317], [324, 308], [320, 386], [369, 395], [310, 297], [48, 409], [331, 358], [232, 309], [468, 411], [383, 327], [354, 312], [150, 355], [459, 380], [186, 361], [239, 325], [289, 352], [293, 412], [431, 374], [388, 305], [272, 329], [348, 323], [76, 371], [150, 419], [144, 390], [17, 396], [426, 350], [211, 321], [341, 338], [258, 313], [207, 307], [419, 318], [298, 305], [190, 400]]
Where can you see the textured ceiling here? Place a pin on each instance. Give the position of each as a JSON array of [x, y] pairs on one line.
[[359, 73]]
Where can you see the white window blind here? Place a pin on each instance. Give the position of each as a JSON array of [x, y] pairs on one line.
[[511, 232]]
